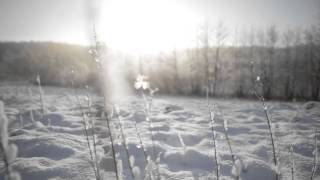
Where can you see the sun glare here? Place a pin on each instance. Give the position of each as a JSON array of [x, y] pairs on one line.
[[146, 26]]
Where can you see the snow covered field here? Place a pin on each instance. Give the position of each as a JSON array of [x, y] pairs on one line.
[[55, 146]]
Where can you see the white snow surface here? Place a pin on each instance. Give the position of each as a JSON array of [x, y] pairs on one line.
[[57, 148]]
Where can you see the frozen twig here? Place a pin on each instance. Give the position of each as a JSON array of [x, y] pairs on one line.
[[315, 156], [142, 84], [112, 143], [292, 168], [124, 140], [269, 122], [93, 134], [41, 95], [141, 145], [214, 135]]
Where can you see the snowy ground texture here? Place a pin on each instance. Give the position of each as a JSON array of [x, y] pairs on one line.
[[55, 146]]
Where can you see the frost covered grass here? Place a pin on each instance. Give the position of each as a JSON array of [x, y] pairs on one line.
[[88, 124], [124, 143], [8, 150], [96, 57], [31, 112], [292, 165], [271, 132], [214, 135], [151, 167], [38, 79], [107, 117], [238, 165], [142, 147], [315, 155]]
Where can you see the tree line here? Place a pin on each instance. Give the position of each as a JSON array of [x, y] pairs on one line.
[[56, 63], [273, 63]]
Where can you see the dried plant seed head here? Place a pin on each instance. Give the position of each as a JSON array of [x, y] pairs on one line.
[[276, 169], [152, 91], [136, 172], [244, 165], [158, 158], [142, 82], [236, 168], [3, 127], [93, 52], [138, 146], [265, 108], [314, 152], [38, 79], [132, 160], [225, 124], [291, 148], [212, 116]]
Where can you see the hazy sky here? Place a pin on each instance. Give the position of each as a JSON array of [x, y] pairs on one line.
[[66, 20]]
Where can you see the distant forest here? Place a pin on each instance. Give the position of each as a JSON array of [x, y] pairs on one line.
[[54, 62], [277, 65]]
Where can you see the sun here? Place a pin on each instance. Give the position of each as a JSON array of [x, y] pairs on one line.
[[146, 26]]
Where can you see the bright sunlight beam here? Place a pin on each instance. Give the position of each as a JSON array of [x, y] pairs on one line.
[[146, 26]]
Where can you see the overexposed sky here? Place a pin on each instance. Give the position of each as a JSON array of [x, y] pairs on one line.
[[56, 20], [67, 20]]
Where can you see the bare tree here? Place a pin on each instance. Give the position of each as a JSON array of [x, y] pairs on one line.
[[204, 47], [288, 43], [296, 58], [193, 58], [220, 36], [252, 41], [175, 69], [239, 65], [271, 40], [248, 43], [316, 78], [262, 69], [316, 91], [313, 61], [171, 60]]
